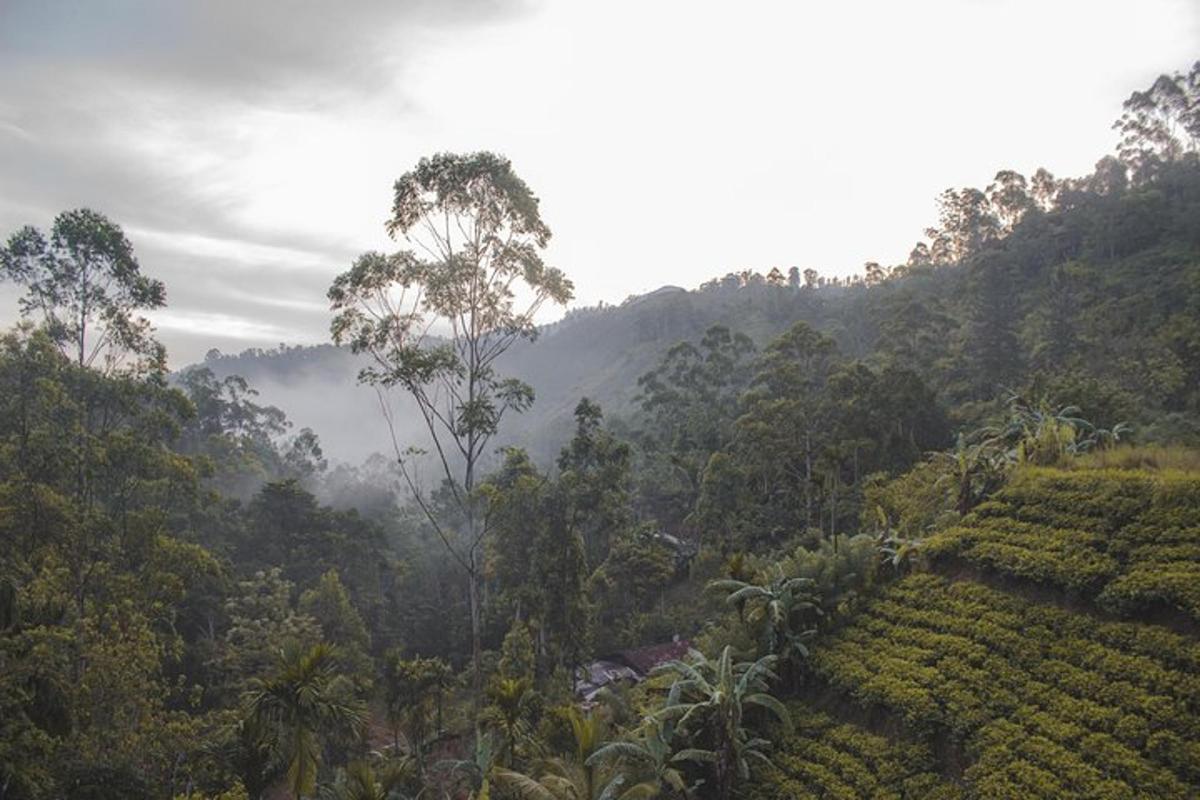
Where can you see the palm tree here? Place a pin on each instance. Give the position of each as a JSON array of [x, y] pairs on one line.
[[360, 780], [707, 703], [303, 704], [510, 697], [578, 778], [647, 758]]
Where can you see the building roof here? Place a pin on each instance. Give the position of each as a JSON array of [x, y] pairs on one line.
[[632, 665], [645, 659]]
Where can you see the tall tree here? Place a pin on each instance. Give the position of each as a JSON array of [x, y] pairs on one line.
[[594, 476], [992, 347], [87, 286], [435, 318], [1009, 197], [1161, 124], [786, 407], [691, 400]]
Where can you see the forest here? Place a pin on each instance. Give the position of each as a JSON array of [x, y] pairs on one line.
[[932, 531]]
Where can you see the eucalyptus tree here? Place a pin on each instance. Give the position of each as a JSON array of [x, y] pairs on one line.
[[435, 317], [787, 415], [85, 283], [708, 703], [1161, 124]]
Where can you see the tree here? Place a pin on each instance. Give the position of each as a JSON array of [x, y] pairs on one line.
[[1161, 124], [477, 771], [580, 778], [875, 273], [708, 703], [992, 347], [477, 238], [87, 286], [510, 698], [412, 690], [690, 400], [785, 407], [637, 570], [303, 704], [967, 223], [647, 760], [1044, 189], [537, 555], [341, 625], [594, 477], [1009, 198], [394, 779], [781, 610]]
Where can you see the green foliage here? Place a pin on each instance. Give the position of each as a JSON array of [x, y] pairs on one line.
[[823, 759], [86, 285], [812, 427], [477, 238], [708, 704], [1128, 539], [413, 692], [783, 612], [538, 557], [518, 658], [635, 574], [1081, 698], [690, 400], [378, 779], [241, 441], [302, 705], [262, 622], [594, 479], [342, 626]]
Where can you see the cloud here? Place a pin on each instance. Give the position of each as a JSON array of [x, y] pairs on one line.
[[249, 147], [265, 49], [192, 125]]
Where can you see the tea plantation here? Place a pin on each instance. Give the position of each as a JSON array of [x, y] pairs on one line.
[[1066, 692]]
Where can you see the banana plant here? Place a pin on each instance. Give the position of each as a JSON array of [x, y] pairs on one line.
[[707, 703]]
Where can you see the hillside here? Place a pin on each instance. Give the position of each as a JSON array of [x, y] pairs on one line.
[[1093, 301], [1024, 678]]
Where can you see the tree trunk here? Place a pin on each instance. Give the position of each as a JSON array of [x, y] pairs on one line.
[[808, 478], [476, 636]]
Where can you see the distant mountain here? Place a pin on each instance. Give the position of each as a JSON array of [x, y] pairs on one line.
[[596, 352], [1091, 301]]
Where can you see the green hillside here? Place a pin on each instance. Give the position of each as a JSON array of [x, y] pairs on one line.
[[1040, 698], [1128, 540]]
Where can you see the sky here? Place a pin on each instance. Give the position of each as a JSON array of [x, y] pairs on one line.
[[248, 149]]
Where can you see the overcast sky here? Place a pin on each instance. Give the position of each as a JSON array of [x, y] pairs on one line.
[[248, 147]]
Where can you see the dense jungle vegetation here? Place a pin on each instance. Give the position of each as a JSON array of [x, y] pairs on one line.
[[931, 532]]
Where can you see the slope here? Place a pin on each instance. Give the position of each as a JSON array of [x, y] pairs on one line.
[[1064, 691]]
